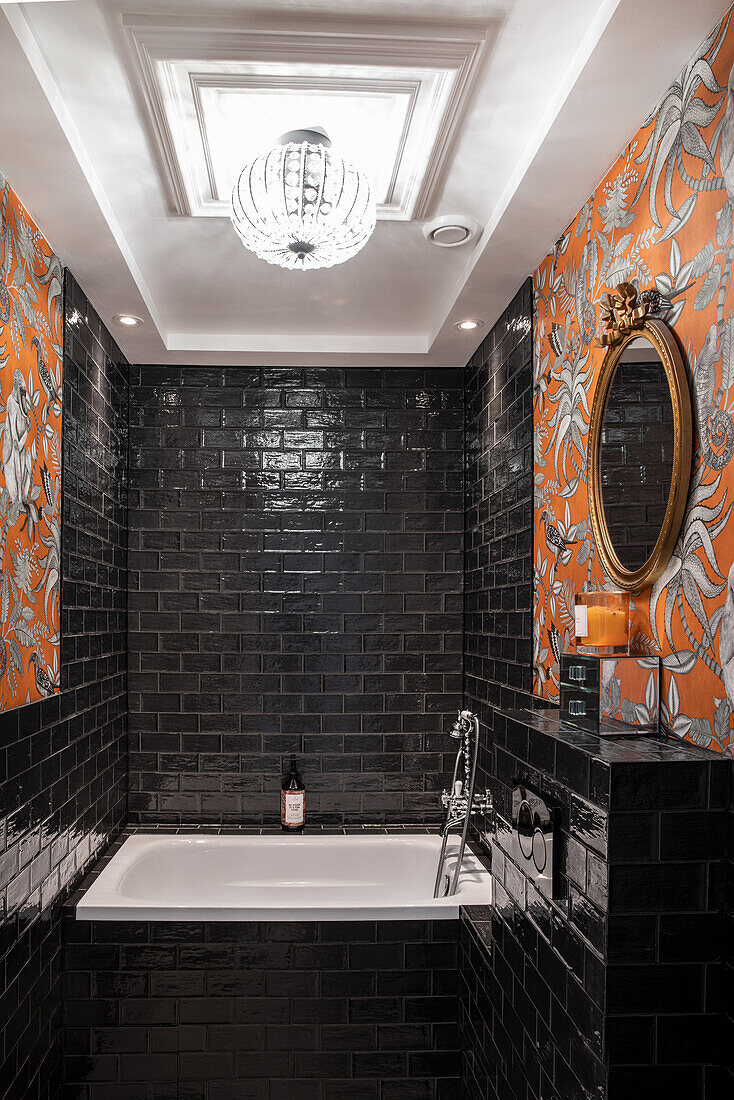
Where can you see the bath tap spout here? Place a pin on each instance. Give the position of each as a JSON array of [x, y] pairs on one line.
[[451, 823]]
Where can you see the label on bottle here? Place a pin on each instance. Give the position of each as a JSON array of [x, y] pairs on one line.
[[293, 808], [582, 624]]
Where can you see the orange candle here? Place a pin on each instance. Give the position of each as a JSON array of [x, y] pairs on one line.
[[607, 626]]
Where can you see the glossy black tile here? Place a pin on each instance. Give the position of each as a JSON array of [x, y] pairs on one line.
[[251, 1005], [63, 775], [300, 592], [631, 947]]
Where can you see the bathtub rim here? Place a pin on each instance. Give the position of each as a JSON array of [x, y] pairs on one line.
[[105, 905]]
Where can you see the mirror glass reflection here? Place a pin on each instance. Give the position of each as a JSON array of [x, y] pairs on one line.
[[636, 459]]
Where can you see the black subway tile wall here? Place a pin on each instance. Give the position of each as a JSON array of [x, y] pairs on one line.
[[63, 760], [533, 989], [499, 514], [728, 1042], [352, 1010], [498, 561], [296, 588]]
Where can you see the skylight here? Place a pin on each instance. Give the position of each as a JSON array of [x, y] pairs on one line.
[[365, 127], [390, 102]]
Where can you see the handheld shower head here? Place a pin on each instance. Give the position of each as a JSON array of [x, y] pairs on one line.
[[462, 724]]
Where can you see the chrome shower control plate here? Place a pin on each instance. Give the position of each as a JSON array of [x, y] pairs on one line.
[[529, 838]]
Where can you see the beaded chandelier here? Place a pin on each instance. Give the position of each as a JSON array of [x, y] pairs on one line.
[[301, 205]]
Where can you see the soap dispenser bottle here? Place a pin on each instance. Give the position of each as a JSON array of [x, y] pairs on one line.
[[292, 801]]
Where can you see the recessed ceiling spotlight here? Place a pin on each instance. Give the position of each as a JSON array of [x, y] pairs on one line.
[[127, 319], [450, 230], [468, 324]]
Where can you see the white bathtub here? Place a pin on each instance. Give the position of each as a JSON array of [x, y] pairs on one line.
[[240, 878]]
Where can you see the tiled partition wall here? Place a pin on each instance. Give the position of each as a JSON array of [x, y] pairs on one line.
[[497, 564], [296, 581], [533, 979], [617, 988], [62, 761]]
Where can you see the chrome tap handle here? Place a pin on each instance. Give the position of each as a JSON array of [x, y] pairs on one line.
[[483, 803], [452, 798], [459, 804]]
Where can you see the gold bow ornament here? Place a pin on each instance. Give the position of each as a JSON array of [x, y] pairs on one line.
[[620, 313]]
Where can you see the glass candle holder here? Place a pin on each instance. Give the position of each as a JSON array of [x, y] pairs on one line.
[[602, 622]]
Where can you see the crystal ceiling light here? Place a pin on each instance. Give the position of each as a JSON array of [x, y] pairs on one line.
[[301, 205]]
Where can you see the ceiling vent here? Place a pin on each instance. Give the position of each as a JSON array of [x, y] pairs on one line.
[[450, 230]]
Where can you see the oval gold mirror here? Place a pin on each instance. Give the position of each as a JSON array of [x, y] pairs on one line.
[[640, 445]]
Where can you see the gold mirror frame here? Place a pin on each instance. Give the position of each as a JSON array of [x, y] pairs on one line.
[[663, 340]]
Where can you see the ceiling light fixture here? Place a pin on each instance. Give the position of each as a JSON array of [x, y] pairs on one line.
[[301, 205], [127, 319], [469, 324]]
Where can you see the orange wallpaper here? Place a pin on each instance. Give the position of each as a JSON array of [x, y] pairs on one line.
[[661, 219], [31, 335]]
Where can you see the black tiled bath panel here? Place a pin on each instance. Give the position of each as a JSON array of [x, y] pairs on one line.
[[265, 1011], [63, 760], [296, 587]]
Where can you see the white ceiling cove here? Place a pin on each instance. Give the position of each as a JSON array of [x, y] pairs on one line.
[[127, 123]]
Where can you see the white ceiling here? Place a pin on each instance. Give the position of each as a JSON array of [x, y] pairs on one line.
[[123, 124]]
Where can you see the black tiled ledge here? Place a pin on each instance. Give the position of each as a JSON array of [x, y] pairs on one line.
[[537, 745], [609, 750]]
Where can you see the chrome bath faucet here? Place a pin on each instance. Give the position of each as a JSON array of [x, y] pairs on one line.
[[461, 802]]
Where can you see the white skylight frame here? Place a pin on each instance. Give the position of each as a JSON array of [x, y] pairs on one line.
[[428, 71]]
